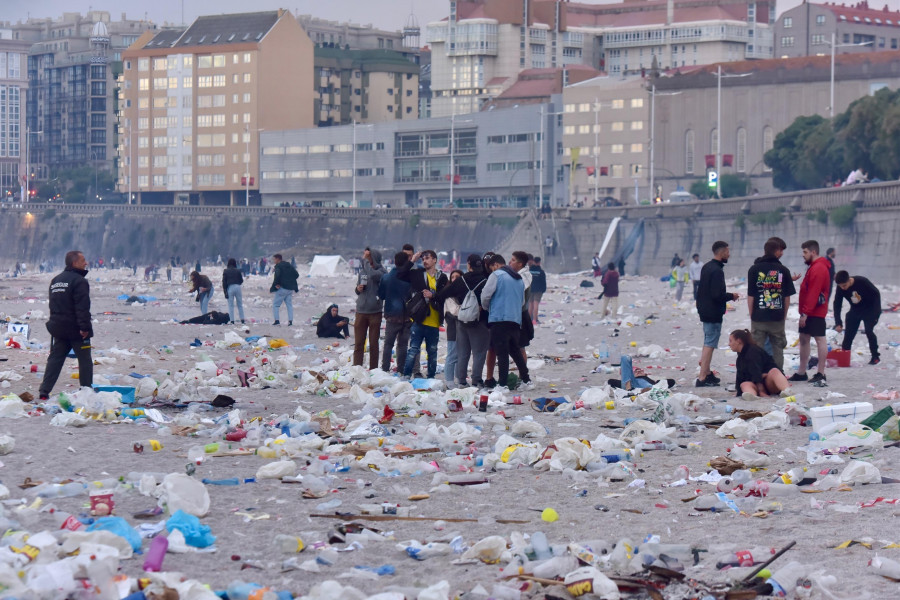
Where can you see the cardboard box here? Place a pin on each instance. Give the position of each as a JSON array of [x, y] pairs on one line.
[[852, 412]]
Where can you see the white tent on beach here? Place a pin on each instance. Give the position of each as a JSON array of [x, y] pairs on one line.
[[329, 266]]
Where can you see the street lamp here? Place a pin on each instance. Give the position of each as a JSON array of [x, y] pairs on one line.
[[653, 134], [544, 116], [833, 46], [719, 77], [27, 188]]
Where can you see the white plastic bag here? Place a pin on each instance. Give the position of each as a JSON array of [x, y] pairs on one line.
[[738, 429], [12, 407], [860, 471], [777, 419], [591, 582], [7, 443], [277, 469], [487, 550], [181, 492], [69, 419]]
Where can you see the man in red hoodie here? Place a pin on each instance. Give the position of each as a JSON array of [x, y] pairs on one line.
[[814, 292]]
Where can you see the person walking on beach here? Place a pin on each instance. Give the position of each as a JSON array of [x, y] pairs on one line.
[[284, 285]]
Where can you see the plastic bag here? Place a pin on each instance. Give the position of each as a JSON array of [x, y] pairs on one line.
[[853, 435], [194, 533], [487, 550], [645, 431], [860, 471], [570, 453], [145, 387], [69, 419], [748, 457], [277, 470], [737, 428], [12, 407], [120, 527], [776, 419], [7, 443], [590, 581], [181, 492]]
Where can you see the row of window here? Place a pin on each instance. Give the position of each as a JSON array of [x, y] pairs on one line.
[[10, 116], [613, 149], [202, 179], [10, 65], [321, 149], [187, 61], [598, 127], [172, 160], [187, 82], [819, 39], [323, 173], [186, 121], [616, 104], [521, 165], [514, 138]]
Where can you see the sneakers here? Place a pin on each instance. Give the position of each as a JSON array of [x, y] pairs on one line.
[[43, 397], [749, 396], [525, 385], [490, 383], [710, 381], [875, 360], [799, 377], [277, 322], [290, 323], [818, 380], [786, 393]]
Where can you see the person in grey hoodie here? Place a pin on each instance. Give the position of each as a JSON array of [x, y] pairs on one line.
[[369, 308]]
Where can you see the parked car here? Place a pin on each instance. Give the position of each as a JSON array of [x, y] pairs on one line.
[[681, 196]]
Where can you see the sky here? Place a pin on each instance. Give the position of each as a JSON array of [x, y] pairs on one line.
[[384, 14]]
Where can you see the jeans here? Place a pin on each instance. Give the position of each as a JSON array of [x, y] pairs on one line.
[[430, 335], [851, 328], [204, 301], [696, 288], [628, 375], [450, 363], [366, 323], [679, 290], [59, 349], [505, 342], [770, 336], [283, 295], [395, 331], [235, 295], [474, 340]]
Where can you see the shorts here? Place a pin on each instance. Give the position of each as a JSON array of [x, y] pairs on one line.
[[711, 334], [815, 327]]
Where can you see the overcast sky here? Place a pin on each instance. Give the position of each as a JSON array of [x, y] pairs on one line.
[[385, 14]]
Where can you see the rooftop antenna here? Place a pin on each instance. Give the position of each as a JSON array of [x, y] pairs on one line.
[[412, 33]]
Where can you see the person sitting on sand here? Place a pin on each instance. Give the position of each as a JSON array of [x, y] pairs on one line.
[[757, 373], [331, 324], [634, 379]]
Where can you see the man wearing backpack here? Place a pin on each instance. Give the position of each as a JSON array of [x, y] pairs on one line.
[[472, 335], [284, 284], [428, 281], [503, 297]]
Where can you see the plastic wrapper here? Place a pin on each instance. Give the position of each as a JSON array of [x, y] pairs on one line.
[[7, 443], [487, 550], [527, 428], [860, 471], [854, 436], [645, 431], [69, 419], [12, 407], [748, 457], [119, 527], [591, 583], [195, 534], [775, 419]]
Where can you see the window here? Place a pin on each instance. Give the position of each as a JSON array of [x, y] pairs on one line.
[[689, 151], [820, 19], [584, 107], [143, 64], [219, 60], [246, 57], [246, 97], [187, 61], [569, 108], [143, 180], [160, 64], [584, 129], [741, 158], [143, 84], [617, 126], [187, 82], [247, 78], [496, 139], [637, 103], [143, 122], [143, 102], [204, 62], [787, 41], [617, 170], [817, 39], [616, 149], [637, 147], [637, 125], [618, 104], [218, 81], [768, 143], [569, 130], [160, 83], [204, 81], [788, 22]]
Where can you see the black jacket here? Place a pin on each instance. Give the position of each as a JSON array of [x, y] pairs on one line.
[[538, 279], [711, 294], [863, 297], [70, 305], [458, 290], [231, 276], [418, 282], [751, 365]]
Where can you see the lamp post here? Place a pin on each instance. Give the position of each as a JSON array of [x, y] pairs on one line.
[[26, 190], [653, 95], [247, 166], [833, 46], [544, 116], [719, 77]]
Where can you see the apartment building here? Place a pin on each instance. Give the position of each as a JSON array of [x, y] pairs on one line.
[[365, 86], [808, 29], [194, 102], [350, 35], [483, 44], [73, 62], [605, 138], [13, 88], [504, 157]]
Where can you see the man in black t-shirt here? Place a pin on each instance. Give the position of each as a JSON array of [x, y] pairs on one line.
[[769, 291], [865, 307]]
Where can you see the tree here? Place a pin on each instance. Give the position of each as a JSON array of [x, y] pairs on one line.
[[787, 152], [733, 186], [700, 188]]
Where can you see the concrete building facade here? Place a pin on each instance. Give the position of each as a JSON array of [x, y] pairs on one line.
[[807, 29], [483, 44], [365, 86], [496, 161], [350, 35], [194, 102], [13, 132]]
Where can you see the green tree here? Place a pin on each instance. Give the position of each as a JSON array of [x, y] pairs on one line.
[[733, 186], [700, 188], [788, 151]]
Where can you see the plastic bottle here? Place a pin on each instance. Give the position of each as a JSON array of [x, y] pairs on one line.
[[62, 490], [784, 580], [329, 505], [290, 544], [555, 567], [238, 590], [603, 351], [540, 546], [231, 481], [156, 554], [726, 484], [741, 476], [745, 558], [885, 567]]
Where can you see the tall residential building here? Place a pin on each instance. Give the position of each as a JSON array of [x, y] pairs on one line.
[[13, 86], [365, 86], [194, 102], [483, 44], [349, 35], [807, 29], [73, 63]]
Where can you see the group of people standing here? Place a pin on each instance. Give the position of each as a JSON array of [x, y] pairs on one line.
[[488, 313], [770, 286]]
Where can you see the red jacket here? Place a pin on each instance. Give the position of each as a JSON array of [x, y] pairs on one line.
[[816, 283]]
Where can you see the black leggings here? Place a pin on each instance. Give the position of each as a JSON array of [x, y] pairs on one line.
[[505, 343], [851, 328]]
